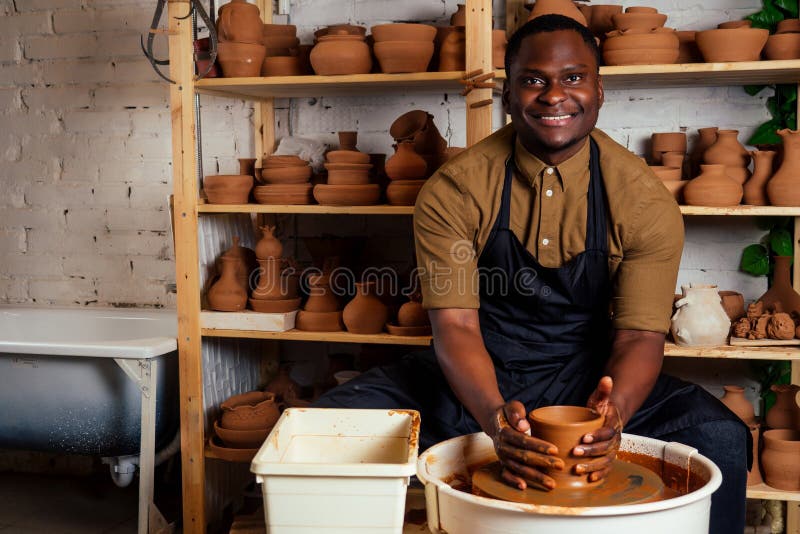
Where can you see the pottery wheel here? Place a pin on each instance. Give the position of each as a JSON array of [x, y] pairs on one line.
[[627, 483]]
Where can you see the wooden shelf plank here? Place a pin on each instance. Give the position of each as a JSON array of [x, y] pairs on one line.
[[729, 352], [331, 337], [762, 491], [742, 210], [314, 209]]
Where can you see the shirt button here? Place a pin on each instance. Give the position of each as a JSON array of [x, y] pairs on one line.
[[545, 241], [549, 192], [549, 170]]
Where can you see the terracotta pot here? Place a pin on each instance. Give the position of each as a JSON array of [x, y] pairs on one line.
[[740, 175], [429, 142], [755, 190], [734, 24], [348, 173], [241, 439], [279, 30], [290, 194], [240, 60], [638, 21], [268, 246], [676, 187], [365, 314], [781, 291], [249, 411], [408, 125], [640, 57], [284, 161], [557, 7], [784, 413], [397, 330], [754, 475], [271, 285], [275, 306], [347, 156], [499, 42], [788, 26], [453, 50], [341, 29], [713, 188], [687, 48], [403, 56], [321, 297], [227, 188], [247, 166], [733, 303], [640, 9], [341, 54], [736, 402], [783, 46], [282, 66], [727, 150], [662, 142], [700, 319], [780, 459], [459, 18], [280, 45], [403, 32], [240, 21], [706, 138], [347, 195], [319, 321], [673, 160], [227, 294], [564, 427], [294, 174], [348, 140], [406, 164], [737, 44], [784, 187], [412, 314], [403, 192], [601, 21]]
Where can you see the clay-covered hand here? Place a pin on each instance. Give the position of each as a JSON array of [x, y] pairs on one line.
[[600, 447], [522, 455]]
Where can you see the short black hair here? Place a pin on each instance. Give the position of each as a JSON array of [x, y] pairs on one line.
[[547, 24]]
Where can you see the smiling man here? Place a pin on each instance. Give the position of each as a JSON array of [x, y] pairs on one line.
[[549, 256]]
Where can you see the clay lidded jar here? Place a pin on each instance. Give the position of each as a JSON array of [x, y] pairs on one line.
[[785, 411], [243, 259], [755, 189], [706, 138], [453, 50], [557, 7], [784, 187], [713, 188], [240, 21], [780, 459], [320, 295], [781, 290], [268, 246], [365, 314], [271, 285], [564, 427], [412, 313], [227, 293], [459, 18], [727, 150], [736, 402], [341, 54], [249, 411], [700, 319], [405, 163]]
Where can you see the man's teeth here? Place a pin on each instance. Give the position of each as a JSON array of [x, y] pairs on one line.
[[556, 118]]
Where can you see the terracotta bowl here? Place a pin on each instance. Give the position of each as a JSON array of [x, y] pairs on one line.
[[739, 44], [654, 56], [347, 156], [347, 195], [282, 66], [249, 411], [788, 25], [403, 192], [227, 188], [676, 188], [669, 141], [636, 40], [319, 321], [666, 174], [284, 194], [242, 439], [642, 21], [734, 24], [783, 46], [294, 174], [404, 56], [274, 306], [396, 330], [403, 32], [340, 29], [348, 174], [230, 454], [275, 30], [240, 60], [640, 9], [282, 161]]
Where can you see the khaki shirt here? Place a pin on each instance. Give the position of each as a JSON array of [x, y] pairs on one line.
[[458, 205]]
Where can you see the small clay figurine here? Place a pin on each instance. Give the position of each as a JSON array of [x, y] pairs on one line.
[[755, 310], [760, 327], [780, 326], [742, 327]]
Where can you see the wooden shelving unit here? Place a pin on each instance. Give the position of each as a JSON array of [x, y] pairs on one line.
[[328, 337]]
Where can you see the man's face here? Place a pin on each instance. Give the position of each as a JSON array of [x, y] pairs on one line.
[[553, 94]]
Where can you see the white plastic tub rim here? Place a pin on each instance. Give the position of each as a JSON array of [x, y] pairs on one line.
[[444, 460]]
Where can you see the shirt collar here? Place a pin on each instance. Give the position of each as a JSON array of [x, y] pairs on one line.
[[568, 171]]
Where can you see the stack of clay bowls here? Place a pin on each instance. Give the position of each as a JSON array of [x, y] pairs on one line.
[[341, 49], [734, 41], [286, 180], [640, 39], [274, 291], [241, 44], [403, 47], [668, 152], [348, 176], [412, 319], [227, 188], [785, 44], [322, 312], [782, 441], [244, 425], [284, 56]]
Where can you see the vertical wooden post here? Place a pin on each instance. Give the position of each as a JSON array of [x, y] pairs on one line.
[[264, 120], [479, 56], [185, 192]]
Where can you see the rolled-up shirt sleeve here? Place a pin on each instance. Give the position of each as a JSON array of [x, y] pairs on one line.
[[444, 234]]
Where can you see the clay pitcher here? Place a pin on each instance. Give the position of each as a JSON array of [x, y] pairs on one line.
[[320, 296], [227, 293], [780, 459], [557, 7], [727, 150], [781, 290], [268, 246], [244, 260], [365, 314], [700, 319], [736, 402], [270, 284], [405, 163], [453, 50], [784, 412], [240, 21], [755, 190], [706, 138], [713, 188], [784, 187]]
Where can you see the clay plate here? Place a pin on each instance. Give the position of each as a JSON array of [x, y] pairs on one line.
[[396, 330], [241, 439], [347, 195], [229, 454], [319, 321], [274, 306]]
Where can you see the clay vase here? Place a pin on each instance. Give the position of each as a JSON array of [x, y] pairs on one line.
[[754, 475], [564, 427], [700, 319], [429, 142], [240, 21], [227, 293], [270, 285], [784, 187], [247, 166], [706, 138], [755, 189], [412, 314], [727, 150], [781, 290], [736, 402], [713, 188], [348, 140], [405, 163], [268, 246], [784, 412], [365, 314], [499, 42], [459, 18], [557, 7], [243, 258], [249, 411], [320, 296], [453, 50], [780, 459], [341, 54]]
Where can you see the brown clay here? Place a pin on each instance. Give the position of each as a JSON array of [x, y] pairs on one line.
[[600, 19], [275, 306], [784, 412], [742, 328], [294, 174], [755, 189], [759, 330], [247, 166], [283, 161], [780, 326], [230, 454], [673, 159], [788, 26], [783, 46], [784, 187], [403, 56], [270, 286], [781, 291], [227, 188], [687, 48], [282, 66], [736, 402], [365, 314], [341, 54], [733, 303], [459, 18], [403, 192], [403, 32], [734, 24], [347, 195], [227, 293], [652, 56], [397, 330], [727, 150], [348, 173], [284, 194], [662, 142], [319, 321], [249, 411], [406, 164], [666, 174], [779, 459], [453, 50], [755, 310], [558, 7], [638, 21], [244, 259], [241, 439], [240, 60], [240, 21], [712, 188], [706, 138], [268, 246], [734, 44], [347, 156], [320, 296]]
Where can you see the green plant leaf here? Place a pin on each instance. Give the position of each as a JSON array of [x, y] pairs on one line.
[[780, 241], [790, 6], [765, 134], [755, 260], [753, 90], [767, 17]]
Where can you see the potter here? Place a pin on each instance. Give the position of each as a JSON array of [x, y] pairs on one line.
[[574, 224]]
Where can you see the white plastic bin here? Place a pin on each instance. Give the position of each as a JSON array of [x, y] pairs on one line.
[[333, 471]]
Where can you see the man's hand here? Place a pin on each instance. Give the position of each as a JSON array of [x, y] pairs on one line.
[[522, 456], [603, 443]]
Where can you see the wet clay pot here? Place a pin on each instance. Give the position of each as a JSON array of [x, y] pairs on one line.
[[733, 303], [240, 21], [341, 54], [406, 164], [249, 411], [227, 294], [320, 296], [240, 60], [459, 18], [736, 402], [564, 427], [700, 319], [755, 189], [365, 314], [727, 150], [733, 44], [557, 7], [713, 188], [499, 42], [754, 475], [453, 50], [268, 246], [270, 285], [779, 459], [784, 187], [784, 413], [706, 137], [781, 291]]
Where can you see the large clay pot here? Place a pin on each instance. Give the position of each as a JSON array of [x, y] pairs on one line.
[[733, 44], [736, 402], [706, 138], [755, 189], [783, 46], [240, 21], [406, 164], [754, 475], [453, 50], [268, 246], [227, 188], [365, 314], [320, 296], [781, 290], [249, 411], [271, 285], [341, 54], [557, 7], [713, 188], [403, 56], [727, 150], [227, 293], [700, 319], [564, 427], [784, 412], [784, 187], [240, 60], [780, 459]]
